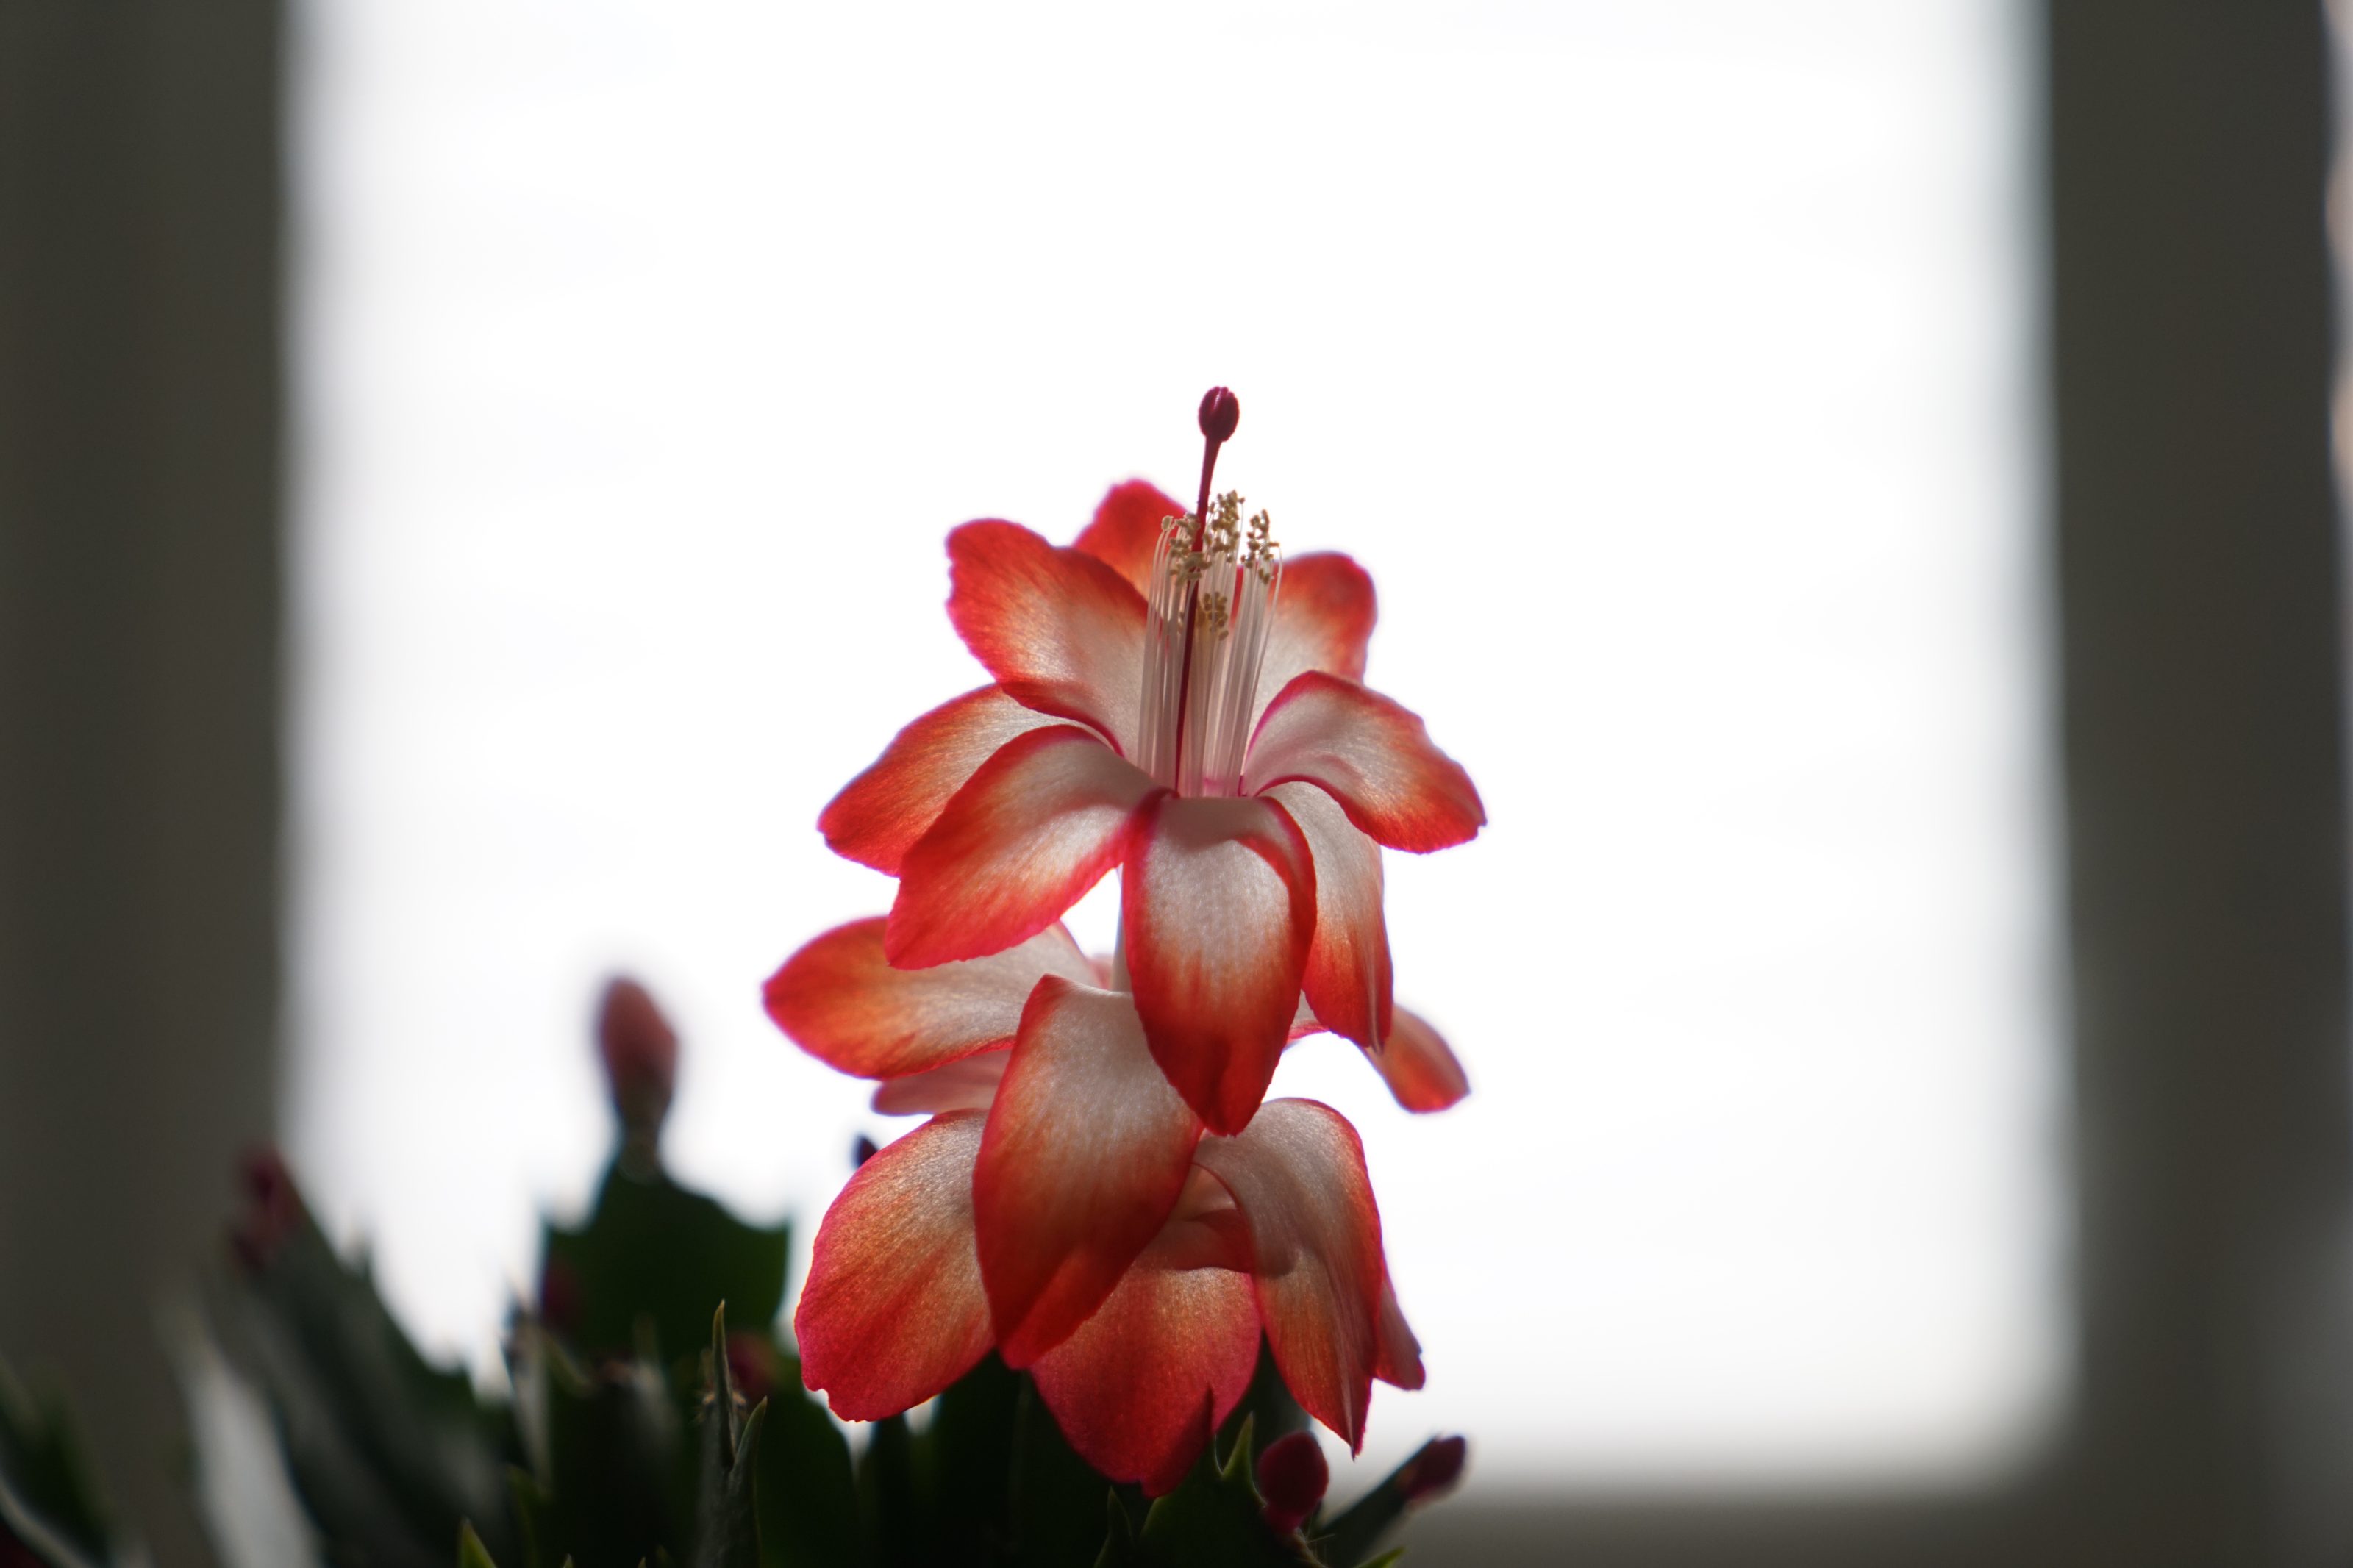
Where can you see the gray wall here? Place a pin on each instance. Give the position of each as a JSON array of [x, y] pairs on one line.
[[139, 524]]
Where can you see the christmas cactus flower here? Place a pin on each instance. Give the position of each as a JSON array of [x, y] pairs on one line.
[[1066, 1206], [1171, 699]]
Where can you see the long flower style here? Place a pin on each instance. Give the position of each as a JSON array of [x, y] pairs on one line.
[[1170, 698], [1064, 1205]]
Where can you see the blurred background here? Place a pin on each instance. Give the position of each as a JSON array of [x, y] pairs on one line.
[[1851, 479]]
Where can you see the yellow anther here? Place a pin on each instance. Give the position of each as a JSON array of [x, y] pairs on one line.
[[1262, 550]]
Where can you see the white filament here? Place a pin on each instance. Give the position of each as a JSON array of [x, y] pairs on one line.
[[1163, 650], [1225, 594]]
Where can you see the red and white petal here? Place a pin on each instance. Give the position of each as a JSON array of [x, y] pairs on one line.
[[1374, 757], [1348, 978], [1036, 826], [892, 1312], [1419, 1067], [877, 816], [1140, 1387], [968, 1083], [1218, 900], [1297, 1174], [1087, 1151], [1414, 1061], [1206, 1231], [1324, 615], [841, 1001], [1127, 531], [1061, 632], [1397, 1360]]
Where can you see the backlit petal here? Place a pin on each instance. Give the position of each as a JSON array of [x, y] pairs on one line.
[[1415, 1061], [1206, 1231], [1127, 531], [842, 1002], [1059, 630], [1375, 757], [894, 1312], [1324, 618], [877, 816], [1220, 903], [1036, 826], [1417, 1066], [1297, 1174], [1399, 1359], [1347, 977], [1086, 1153], [968, 1083], [1139, 1388]]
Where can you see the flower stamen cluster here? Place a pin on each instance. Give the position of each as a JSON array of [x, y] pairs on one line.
[[1210, 611]]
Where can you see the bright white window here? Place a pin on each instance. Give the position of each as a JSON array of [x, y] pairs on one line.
[[1669, 366]]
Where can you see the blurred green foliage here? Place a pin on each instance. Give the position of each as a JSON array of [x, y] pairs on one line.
[[640, 1429]]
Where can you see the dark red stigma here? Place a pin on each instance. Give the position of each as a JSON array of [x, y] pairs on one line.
[[1221, 412]]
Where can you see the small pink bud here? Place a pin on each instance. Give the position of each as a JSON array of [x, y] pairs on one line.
[[273, 1207], [1221, 410], [1292, 1476], [1434, 1468], [641, 1054]]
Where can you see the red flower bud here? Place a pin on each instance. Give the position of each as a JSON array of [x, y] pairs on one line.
[[1221, 410], [1292, 1476], [641, 1054], [1434, 1468], [273, 1207]]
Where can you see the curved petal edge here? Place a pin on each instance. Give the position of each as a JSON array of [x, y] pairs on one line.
[[840, 1000], [880, 814], [1375, 758], [894, 1312], [1036, 826]]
